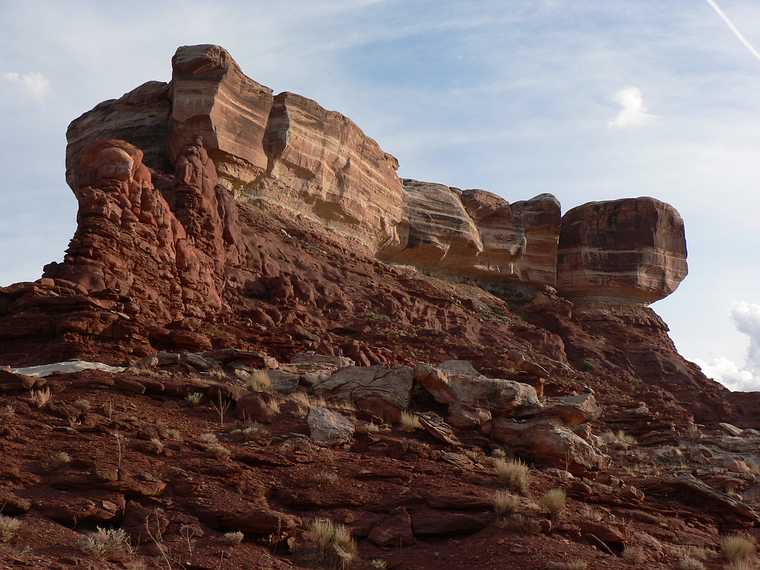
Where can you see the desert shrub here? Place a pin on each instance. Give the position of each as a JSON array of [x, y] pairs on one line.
[[554, 502], [218, 451], [634, 554], [737, 547], [233, 537], [106, 543], [618, 439], [410, 421], [514, 473], [156, 446], [8, 528], [334, 541], [505, 503], [58, 460], [194, 399], [587, 365], [208, 438], [690, 563], [258, 381], [40, 398]]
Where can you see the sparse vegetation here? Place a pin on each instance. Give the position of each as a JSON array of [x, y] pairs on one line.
[[334, 542], [208, 438], [194, 399], [554, 502], [371, 428], [82, 406], [378, 564], [8, 528], [58, 460], [233, 537], [219, 451], [221, 406], [106, 543], [258, 381], [576, 565], [634, 554], [409, 421], [737, 547], [505, 503], [514, 473], [587, 365], [690, 563], [40, 398], [156, 446], [618, 439]]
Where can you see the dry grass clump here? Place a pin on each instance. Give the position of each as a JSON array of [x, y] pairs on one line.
[[58, 460], [156, 446], [334, 542], [106, 543], [514, 473], [746, 564], [619, 439], [554, 502], [410, 421], [736, 547], [634, 554], [371, 428], [194, 399], [505, 503], [219, 451], [8, 528], [208, 438], [576, 565], [378, 564], [233, 537], [40, 398], [82, 406], [258, 381], [690, 563]]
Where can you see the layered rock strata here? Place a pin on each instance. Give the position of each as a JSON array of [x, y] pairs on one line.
[[622, 251]]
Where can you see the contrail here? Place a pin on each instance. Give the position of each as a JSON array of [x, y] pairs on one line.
[[734, 29]]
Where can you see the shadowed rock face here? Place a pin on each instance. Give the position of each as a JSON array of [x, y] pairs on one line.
[[624, 251]]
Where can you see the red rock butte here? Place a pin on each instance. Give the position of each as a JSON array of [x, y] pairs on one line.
[[258, 252]]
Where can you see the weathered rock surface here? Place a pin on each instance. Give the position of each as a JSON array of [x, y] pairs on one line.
[[214, 99], [622, 251], [328, 427], [550, 444], [322, 165]]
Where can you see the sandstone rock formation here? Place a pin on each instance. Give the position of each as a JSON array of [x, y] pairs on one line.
[[621, 251]]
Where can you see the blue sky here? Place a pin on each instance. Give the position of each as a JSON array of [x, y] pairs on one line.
[[587, 100]]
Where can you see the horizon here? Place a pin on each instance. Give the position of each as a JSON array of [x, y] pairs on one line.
[[588, 103]]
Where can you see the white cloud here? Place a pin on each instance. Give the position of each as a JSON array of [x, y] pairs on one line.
[[34, 84], [728, 373], [633, 111], [746, 317]]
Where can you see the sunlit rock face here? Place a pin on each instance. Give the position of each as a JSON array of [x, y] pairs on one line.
[[477, 234], [288, 152], [621, 251], [323, 166], [211, 97]]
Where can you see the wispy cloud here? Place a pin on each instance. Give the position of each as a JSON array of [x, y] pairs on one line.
[[733, 28], [633, 111], [36, 85]]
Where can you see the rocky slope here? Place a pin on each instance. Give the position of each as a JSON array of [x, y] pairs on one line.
[[300, 334]]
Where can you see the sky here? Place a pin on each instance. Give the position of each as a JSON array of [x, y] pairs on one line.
[[585, 99]]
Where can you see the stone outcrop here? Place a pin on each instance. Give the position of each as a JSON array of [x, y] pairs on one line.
[[479, 235], [323, 165], [621, 251], [288, 151]]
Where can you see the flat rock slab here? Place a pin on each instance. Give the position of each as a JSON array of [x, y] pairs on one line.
[[69, 367]]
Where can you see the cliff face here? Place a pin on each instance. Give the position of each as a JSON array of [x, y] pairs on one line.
[[213, 214]]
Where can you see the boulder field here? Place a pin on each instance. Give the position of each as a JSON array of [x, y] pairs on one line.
[[258, 325]]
